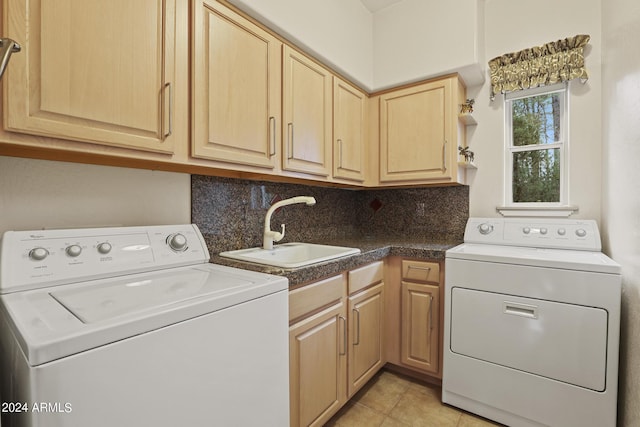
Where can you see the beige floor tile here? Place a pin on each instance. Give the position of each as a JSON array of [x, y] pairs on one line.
[[422, 408], [390, 422], [392, 400], [469, 420], [357, 415], [383, 392]]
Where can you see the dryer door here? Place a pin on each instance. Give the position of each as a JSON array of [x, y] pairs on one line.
[[564, 342]]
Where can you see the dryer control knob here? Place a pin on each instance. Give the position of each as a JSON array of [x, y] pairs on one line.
[[104, 248], [562, 231], [177, 242], [526, 230], [73, 250], [38, 254], [543, 231], [485, 228], [581, 232]]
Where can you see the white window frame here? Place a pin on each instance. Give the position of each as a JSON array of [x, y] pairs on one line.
[[562, 207]]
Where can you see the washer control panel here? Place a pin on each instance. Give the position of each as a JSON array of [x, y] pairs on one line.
[[34, 259], [534, 232]]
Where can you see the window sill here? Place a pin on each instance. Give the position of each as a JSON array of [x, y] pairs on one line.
[[555, 211]]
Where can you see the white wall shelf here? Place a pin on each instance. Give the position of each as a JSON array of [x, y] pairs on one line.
[[467, 165], [467, 119]]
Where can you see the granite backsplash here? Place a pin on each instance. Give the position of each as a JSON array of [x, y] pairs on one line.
[[231, 212]]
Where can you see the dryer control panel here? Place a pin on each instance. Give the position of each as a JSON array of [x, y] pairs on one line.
[[34, 259], [535, 232]]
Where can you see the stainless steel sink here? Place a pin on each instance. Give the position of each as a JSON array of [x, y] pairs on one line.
[[291, 255]]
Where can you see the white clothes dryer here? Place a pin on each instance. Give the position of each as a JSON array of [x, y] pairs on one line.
[[532, 319]]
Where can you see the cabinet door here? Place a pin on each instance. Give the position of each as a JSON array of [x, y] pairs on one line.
[[318, 366], [349, 108], [92, 70], [236, 88], [307, 119], [416, 131], [420, 327], [366, 314]]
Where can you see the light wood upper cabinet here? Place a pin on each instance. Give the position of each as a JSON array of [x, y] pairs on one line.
[[349, 125], [307, 118], [418, 132], [94, 71], [235, 88]]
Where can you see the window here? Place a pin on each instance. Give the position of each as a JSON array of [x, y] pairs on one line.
[[536, 148]]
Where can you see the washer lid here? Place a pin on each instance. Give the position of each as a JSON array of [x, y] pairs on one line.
[[114, 299], [56, 322], [538, 257]]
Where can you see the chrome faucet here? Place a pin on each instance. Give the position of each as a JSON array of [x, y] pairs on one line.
[[274, 236]]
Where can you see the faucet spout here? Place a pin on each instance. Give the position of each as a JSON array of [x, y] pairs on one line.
[[270, 236]]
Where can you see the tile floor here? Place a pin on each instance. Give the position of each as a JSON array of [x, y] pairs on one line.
[[393, 400]]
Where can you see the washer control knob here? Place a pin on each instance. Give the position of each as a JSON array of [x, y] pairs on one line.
[[104, 248], [543, 231], [38, 254], [562, 231], [177, 242], [581, 232], [73, 250], [526, 230], [485, 228]]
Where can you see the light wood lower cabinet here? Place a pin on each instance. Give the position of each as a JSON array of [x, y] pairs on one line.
[[366, 324], [317, 351], [414, 316], [335, 341], [420, 316], [420, 326], [366, 319]]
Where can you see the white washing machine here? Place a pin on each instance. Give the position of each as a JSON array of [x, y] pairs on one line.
[[532, 319], [132, 327]]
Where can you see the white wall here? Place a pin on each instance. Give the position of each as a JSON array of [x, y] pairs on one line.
[[621, 188], [405, 42], [338, 32], [415, 39], [511, 26], [36, 194]]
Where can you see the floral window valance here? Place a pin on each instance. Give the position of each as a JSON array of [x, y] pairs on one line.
[[554, 62]]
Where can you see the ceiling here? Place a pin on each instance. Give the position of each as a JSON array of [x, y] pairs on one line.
[[375, 5]]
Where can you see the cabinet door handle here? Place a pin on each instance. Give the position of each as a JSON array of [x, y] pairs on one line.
[[417, 267], [164, 90], [430, 315], [339, 153], [357, 340], [427, 270], [272, 128], [7, 47], [344, 336], [444, 156], [290, 138]]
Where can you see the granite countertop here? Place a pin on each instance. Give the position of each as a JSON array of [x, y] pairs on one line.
[[371, 250]]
